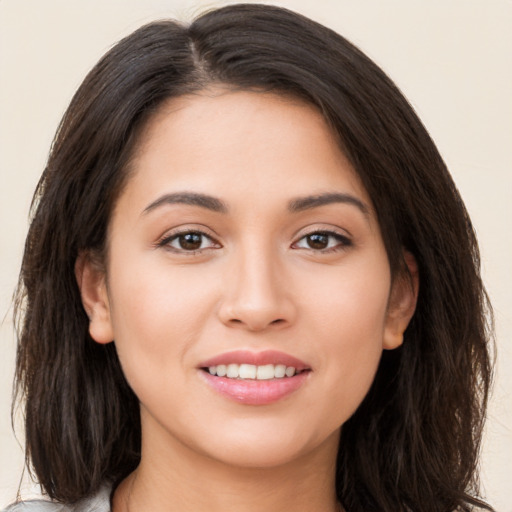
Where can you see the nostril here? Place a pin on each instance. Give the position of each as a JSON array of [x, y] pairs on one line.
[[237, 321]]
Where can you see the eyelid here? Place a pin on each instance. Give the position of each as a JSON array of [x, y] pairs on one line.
[[170, 235], [321, 227], [341, 235]]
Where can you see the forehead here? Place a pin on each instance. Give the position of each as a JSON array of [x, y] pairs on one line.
[[240, 143]]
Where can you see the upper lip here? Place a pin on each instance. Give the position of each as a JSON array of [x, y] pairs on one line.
[[255, 358]]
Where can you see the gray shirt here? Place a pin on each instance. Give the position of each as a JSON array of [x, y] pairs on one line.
[[100, 502]]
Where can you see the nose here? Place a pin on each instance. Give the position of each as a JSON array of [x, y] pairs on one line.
[[256, 296]]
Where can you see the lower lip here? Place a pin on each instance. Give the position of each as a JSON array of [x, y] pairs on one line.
[[256, 392]]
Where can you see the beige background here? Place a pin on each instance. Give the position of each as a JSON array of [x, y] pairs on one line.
[[452, 59]]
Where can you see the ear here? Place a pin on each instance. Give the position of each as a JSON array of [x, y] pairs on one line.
[[91, 281], [402, 303]]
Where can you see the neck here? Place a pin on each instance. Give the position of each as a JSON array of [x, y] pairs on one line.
[[172, 476]]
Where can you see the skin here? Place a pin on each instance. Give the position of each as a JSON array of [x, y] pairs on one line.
[[256, 282]]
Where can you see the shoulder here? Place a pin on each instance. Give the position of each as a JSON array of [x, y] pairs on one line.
[[100, 502], [36, 506]]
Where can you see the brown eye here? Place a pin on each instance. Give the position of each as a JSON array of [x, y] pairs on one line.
[[188, 241], [317, 240], [323, 241]]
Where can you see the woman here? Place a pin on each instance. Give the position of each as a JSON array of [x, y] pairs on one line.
[[250, 283]]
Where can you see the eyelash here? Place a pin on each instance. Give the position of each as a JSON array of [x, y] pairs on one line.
[[343, 242], [167, 240]]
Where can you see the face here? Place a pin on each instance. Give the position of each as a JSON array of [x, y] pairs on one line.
[[247, 286]]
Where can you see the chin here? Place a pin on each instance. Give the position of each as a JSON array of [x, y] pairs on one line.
[[260, 448]]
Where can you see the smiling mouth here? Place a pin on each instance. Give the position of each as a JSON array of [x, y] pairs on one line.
[[255, 378], [253, 372]]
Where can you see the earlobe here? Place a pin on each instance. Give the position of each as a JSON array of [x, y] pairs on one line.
[[402, 304], [91, 281]]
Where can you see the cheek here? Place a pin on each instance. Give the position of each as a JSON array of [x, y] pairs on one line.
[[349, 317], [157, 315], [350, 303]]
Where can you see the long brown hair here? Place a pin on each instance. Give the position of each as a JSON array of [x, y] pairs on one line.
[[414, 441]]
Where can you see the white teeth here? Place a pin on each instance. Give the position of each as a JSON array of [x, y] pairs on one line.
[[247, 371], [232, 372], [265, 372], [290, 371], [250, 371], [280, 371]]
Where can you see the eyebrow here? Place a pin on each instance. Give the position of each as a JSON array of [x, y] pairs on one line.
[[305, 203], [191, 198], [295, 205]]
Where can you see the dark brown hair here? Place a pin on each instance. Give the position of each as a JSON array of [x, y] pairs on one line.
[[413, 443]]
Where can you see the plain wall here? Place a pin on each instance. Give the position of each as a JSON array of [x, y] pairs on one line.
[[452, 59]]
